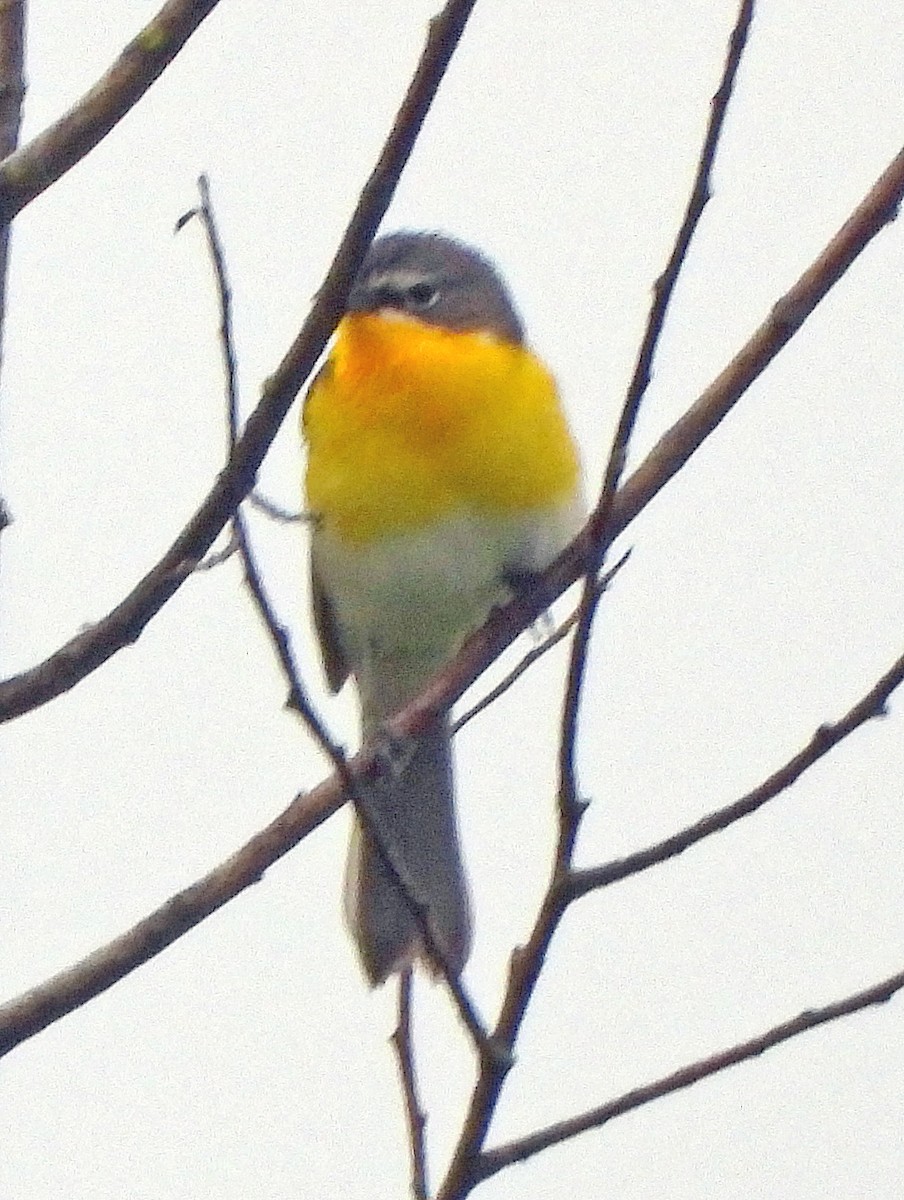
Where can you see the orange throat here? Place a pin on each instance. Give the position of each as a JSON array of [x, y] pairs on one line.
[[410, 423]]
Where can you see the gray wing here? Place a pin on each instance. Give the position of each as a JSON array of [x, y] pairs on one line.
[[334, 663]]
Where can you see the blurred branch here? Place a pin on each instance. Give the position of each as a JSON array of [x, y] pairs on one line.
[[403, 1044], [492, 1161], [298, 700], [558, 635], [275, 511], [124, 625], [12, 93], [27, 1014], [33, 168], [216, 558], [824, 739]]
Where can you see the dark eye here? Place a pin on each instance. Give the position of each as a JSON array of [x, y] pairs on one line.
[[422, 295]]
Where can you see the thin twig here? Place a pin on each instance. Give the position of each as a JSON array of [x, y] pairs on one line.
[[276, 512], [558, 635], [494, 1160], [403, 1044], [826, 738], [216, 558], [125, 623], [298, 700]]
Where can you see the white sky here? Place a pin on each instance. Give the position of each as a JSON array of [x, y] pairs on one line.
[[765, 595]]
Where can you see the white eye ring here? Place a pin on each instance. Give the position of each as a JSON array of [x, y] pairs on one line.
[[422, 295]]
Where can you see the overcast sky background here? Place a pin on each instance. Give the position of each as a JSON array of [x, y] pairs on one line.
[[765, 595]]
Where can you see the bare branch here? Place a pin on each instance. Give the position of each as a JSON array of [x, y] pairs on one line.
[[494, 1160], [403, 1044], [824, 739], [12, 93], [33, 168], [124, 625], [558, 635], [26, 1015], [878, 208], [275, 511], [298, 700]]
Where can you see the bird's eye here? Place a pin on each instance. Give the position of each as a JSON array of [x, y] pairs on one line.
[[422, 295]]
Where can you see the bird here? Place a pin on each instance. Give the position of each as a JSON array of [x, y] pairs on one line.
[[440, 472]]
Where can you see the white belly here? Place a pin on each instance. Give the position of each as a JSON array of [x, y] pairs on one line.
[[417, 595]]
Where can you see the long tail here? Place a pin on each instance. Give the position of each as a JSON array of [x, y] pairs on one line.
[[416, 815]]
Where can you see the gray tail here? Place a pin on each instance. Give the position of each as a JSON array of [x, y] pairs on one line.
[[416, 817]]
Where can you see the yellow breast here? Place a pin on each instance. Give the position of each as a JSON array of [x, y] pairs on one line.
[[409, 424]]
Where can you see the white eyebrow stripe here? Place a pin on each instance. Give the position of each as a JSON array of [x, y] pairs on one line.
[[402, 278]]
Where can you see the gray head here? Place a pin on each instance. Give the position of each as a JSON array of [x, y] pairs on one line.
[[437, 280]]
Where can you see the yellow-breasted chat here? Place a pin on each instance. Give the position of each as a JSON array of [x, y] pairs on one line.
[[440, 465]]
